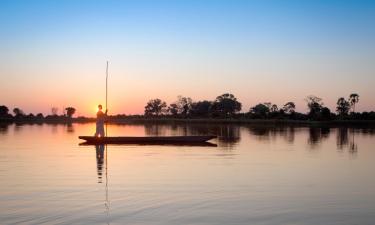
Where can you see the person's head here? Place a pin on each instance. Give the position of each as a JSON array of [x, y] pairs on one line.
[[100, 107]]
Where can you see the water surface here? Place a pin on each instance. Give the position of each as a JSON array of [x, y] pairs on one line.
[[255, 175]]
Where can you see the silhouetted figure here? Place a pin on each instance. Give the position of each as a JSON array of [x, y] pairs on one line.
[[99, 161], [100, 119]]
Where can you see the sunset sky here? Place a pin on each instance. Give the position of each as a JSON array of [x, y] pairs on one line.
[[54, 53]]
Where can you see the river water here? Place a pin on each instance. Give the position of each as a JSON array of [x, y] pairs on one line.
[[251, 175]]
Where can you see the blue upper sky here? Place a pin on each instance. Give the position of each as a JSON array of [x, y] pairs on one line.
[[259, 50]]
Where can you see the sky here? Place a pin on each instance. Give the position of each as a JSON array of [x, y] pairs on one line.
[[54, 53]]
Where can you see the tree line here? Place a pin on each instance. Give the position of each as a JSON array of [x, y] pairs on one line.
[[227, 106], [19, 114]]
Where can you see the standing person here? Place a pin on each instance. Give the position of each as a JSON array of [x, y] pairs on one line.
[[100, 119]]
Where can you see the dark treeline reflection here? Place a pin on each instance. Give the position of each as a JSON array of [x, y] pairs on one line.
[[267, 133], [69, 128], [230, 134], [346, 138], [4, 128], [317, 135], [227, 134]]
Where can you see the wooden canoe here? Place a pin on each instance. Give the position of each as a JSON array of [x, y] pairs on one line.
[[146, 139]]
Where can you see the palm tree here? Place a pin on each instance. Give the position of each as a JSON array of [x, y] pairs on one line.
[[353, 99]]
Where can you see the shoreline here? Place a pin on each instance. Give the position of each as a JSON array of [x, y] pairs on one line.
[[265, 122]]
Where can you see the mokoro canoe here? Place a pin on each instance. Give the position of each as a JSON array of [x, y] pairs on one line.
[[146, 139]]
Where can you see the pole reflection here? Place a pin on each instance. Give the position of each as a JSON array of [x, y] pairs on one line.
[[102, 164]]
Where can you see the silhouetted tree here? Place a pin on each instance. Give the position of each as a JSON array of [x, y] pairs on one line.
[[3, 111], [353, 99], [342, 107], [18, 112], [269, 105], [70, 111], [183, 105], [289, 107], [39, 116], [315, 105], [201, 108], [155, 107], [173, 109], [226, 105], [274, 108], [30, 116], [326, 113], [260, 110]]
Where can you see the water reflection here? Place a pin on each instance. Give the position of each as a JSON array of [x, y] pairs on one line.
[[99, 161], [102, 164], [69, 128], [4, 128], [317, 135], [230, 134], [18, 128], [342, 139], [155, 129], [346, 142], [267, 133], [199, 182], [227, 135]]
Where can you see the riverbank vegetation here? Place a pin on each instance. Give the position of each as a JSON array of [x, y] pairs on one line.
[[225, 108]]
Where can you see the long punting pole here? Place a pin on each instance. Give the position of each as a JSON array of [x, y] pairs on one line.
[[106, 87], [106, 94], [106, 150]]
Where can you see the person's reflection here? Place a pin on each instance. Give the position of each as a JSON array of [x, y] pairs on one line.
[[100, 166], [99, 161]]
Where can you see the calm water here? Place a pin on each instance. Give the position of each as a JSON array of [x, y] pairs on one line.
[[255, 175]]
